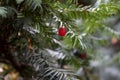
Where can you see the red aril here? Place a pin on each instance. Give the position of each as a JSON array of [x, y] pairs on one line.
[[62, 31]]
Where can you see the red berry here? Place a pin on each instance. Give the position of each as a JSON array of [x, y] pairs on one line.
[[83, 55], [62, 31], [114, 41]]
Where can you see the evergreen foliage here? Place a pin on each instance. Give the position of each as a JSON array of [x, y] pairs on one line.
[[29, 27]]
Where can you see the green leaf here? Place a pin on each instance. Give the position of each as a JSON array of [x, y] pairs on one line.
[[19, 1], [3, 12]]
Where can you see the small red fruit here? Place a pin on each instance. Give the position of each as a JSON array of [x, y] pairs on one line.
[[83, 56], [114, 41], [62, 31]]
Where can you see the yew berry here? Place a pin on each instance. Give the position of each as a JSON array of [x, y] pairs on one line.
[[62, 31], [114, 41], [83, 55]]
